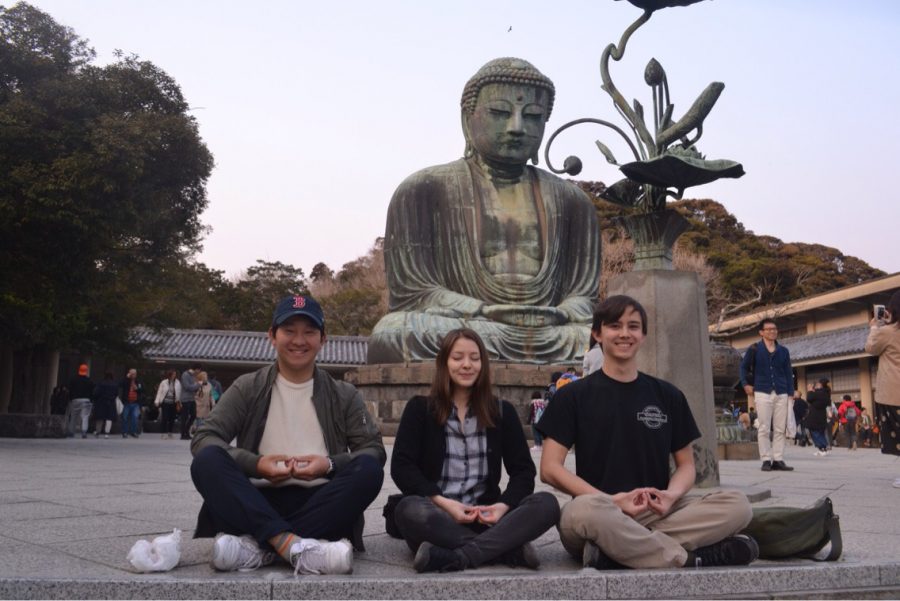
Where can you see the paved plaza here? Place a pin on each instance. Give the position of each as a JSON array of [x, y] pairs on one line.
[[71, 509]]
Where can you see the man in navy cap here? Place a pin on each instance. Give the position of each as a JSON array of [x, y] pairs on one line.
[[307, 460]]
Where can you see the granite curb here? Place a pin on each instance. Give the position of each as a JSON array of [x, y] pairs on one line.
[[863, 581]]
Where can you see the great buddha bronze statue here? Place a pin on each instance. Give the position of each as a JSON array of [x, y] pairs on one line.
[[489, 242]]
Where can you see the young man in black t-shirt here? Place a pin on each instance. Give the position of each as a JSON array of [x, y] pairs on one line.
[[627, 510]]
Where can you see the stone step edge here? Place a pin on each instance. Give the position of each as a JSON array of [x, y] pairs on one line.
[[875, 580]]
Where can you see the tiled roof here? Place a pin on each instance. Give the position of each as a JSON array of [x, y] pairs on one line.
[[238, 347], [834, 343]]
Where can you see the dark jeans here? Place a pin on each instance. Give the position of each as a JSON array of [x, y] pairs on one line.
[[865, 436], [168, 417], [233, 505], [538, 439], [850, 429], [188, 415], [819, 439], [131, 412], [419, 520]]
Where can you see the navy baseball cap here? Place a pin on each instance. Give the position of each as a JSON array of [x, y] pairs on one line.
[[299, 305]]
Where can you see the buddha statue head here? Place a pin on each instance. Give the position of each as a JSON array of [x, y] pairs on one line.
[[505, 107]]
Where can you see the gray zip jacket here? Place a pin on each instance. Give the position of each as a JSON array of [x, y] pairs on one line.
[[240, 416]]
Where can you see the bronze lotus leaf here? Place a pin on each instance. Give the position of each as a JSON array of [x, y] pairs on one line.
[[658, 4], [624, 192], [679, 171]]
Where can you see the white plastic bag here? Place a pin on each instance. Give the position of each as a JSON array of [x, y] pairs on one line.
[[791, 430], [161, 555]]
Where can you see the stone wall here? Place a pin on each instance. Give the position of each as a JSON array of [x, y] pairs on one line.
[[387, 387], [27, 425]]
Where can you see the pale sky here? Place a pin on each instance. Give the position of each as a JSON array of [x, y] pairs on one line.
[[316, 111]]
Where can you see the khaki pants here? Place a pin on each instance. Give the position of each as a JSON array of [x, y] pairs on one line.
[[772, 410], [651, 541]]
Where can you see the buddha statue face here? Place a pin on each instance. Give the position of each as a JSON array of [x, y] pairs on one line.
[[507, 124]]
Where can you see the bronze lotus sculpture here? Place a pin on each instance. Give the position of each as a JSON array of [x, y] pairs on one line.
[[666, 158]]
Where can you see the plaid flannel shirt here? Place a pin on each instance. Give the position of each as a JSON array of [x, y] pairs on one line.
[[465, 471]]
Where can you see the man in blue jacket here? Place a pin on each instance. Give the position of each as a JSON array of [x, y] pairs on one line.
[[769, 382]]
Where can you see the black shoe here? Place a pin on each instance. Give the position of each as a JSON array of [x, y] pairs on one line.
[[767, 466], [134, 435], [185, 438], [124, 435], [593, 557], [523, 557], [781, 466], [430, 558], [737, 550]]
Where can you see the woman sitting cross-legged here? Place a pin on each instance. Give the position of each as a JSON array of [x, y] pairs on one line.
[[446, 462]]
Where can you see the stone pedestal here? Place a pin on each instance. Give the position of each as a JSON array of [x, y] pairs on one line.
[[677, 348], [387, 387], [29, 425]]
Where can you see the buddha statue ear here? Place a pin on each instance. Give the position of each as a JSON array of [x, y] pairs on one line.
[[534, 157], [469, 152]]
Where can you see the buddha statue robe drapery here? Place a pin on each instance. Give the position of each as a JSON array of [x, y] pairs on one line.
[[435, 240]]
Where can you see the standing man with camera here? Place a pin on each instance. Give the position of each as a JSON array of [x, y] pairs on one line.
[[768, 380]]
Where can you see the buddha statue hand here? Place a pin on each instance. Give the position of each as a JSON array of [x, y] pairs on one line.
[[446, 312], [526, 316]]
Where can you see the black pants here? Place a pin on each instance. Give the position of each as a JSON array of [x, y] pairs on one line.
[[188, 415], [419, 520], [168, 417], [233, 505]]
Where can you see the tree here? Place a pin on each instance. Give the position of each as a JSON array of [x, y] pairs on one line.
[[355, 298], [618, 257], [749, 263], [249, 302], [187, 295], [102, 181], [743, 271]]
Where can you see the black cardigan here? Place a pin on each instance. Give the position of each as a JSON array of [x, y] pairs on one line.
[[418, 455]]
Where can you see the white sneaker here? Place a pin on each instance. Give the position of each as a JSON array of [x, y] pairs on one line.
[[238, 553], [897, 483], [311, 556]]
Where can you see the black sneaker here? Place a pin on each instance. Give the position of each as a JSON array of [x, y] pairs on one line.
[[430, 558], [737, 550], [523, 557], [767, 466], [593, 557], [781, 466]]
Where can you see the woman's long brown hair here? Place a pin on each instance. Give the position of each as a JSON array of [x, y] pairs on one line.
[[482, 401]]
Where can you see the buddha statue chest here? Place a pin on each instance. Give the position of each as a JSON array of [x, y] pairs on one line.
[[510, 237]]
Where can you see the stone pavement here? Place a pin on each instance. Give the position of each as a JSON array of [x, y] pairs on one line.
[[71, 509]]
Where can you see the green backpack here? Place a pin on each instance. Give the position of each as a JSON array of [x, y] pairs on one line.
[[783, 532]]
